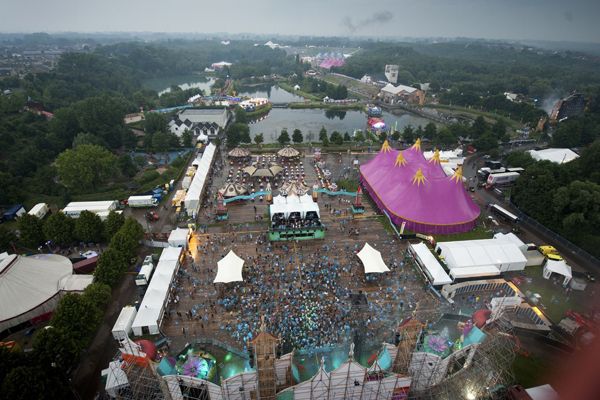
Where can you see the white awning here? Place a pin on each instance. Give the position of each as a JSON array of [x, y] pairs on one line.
[[230, 269], [431, 266], [372, 260]]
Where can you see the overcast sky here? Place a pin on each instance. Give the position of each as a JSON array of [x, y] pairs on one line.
[[573, 20]]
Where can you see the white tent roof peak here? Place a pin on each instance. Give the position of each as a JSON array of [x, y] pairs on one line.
[[559, 267], [372, 260], [230, 268]]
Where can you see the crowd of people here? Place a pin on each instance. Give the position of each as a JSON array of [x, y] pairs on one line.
[[305, 296]]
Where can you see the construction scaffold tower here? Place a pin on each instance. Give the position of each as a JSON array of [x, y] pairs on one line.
[[477, 366], [420, 365]]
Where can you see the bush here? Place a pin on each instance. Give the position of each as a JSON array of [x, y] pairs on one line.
[[149, 176]]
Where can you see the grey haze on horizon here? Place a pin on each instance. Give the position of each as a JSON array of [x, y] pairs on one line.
[[553, 20]]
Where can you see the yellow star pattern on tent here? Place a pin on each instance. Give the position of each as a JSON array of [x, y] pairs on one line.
[[436, 158], [457, 175], [400, 160], [419, 178]]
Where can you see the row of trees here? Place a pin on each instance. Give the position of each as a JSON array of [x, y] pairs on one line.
[[63, 230], [123, 244]]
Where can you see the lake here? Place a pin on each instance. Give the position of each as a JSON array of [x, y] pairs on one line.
[[163, 85], [307, 120], [274, 93], [311, 121]]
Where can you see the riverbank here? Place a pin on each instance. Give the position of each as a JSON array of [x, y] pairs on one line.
[[467, 112], [290, 89]]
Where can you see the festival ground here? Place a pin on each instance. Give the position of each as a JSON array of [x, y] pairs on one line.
[[309, 307]]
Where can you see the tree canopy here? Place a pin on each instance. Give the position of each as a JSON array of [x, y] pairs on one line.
[[88, 166]]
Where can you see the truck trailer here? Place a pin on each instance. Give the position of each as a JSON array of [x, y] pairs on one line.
[[39, 210], [502, 179], [142, 201], [122, 327], [102, 208], [504, 214]]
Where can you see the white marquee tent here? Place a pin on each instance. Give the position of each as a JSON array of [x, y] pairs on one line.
[[178, 237], [372, 260], [230, 269], [194, 195], [32, 286], [154, 301], [292, 203], [511, 237], [500, 253], [559, 156], [558, 267], [429, 264]]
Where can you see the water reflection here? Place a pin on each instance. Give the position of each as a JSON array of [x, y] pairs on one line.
[[332, 114], [274, 93], [310, 122]]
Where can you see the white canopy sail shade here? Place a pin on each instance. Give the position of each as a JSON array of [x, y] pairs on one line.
[[230, 269], [372, 260]]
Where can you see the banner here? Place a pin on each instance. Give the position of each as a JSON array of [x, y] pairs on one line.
[[402, 228]]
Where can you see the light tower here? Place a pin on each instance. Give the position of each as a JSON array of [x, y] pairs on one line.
[[315, 193]]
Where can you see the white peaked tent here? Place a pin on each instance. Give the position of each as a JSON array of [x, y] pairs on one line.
[[558, 267], [178, 237], [372, 260], [230, 269]]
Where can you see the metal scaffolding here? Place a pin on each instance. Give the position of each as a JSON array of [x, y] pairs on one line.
[[472, 370], [477, 366]]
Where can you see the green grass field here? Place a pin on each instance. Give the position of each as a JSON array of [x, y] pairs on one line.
[[534, 370]]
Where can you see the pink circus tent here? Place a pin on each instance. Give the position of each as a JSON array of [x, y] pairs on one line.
[[413, 189], [331, 63]]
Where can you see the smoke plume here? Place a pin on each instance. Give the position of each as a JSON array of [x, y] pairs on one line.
[[377, 18]]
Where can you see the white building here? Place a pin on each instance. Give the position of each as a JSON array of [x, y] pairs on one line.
[[559, 156], [498, 253]]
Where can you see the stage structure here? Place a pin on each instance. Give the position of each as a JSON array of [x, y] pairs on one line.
[[295, 216], [422, 364]]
